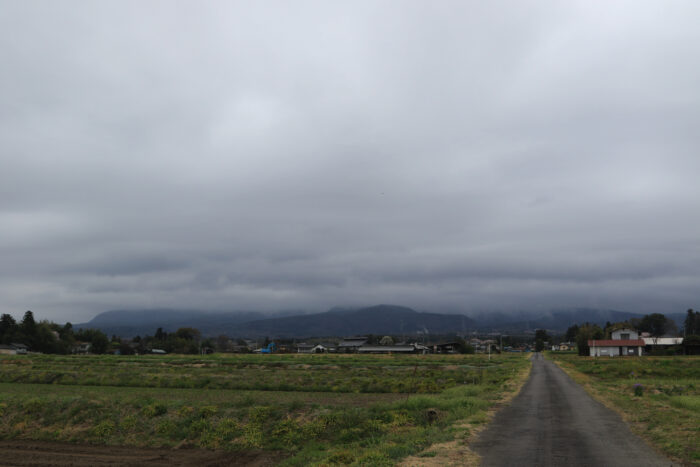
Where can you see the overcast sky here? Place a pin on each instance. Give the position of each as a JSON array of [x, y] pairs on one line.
[[448, 156]]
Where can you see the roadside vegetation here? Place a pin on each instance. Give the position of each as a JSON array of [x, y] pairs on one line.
[[306, 409], [658, 396]]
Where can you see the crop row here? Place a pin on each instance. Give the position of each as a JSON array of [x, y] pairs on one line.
[[427, 378]]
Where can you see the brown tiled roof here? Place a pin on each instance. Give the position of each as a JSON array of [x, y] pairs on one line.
[[616, 343]]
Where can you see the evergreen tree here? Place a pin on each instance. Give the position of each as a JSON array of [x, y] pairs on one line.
[[571, 333], [657, 325], [28, 329], [8, 329], [99, 343], [585, 333], [691, 325]]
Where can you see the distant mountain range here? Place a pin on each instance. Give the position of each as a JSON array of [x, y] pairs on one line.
[[379, 319], [130, 323]]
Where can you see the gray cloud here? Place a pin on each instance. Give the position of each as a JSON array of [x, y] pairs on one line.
[[464, 156]]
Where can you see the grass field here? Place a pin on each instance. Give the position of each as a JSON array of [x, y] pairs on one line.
[[311, 409], [658, 396]]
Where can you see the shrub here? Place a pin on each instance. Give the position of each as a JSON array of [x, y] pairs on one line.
[[288, 432], [343, 457], [252, 436], [104, 429], [200, 426], [34, 405], [259, 415], [227, 429], [207, 411], [155, 410], [166, 427], [128, 423]]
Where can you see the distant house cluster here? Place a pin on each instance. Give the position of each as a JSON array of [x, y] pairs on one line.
[[563, 347], [483, 345], [361, 345]]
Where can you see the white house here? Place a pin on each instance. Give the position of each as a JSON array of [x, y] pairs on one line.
[[409, 348], [623, 342], [305, 348], [312, 348]]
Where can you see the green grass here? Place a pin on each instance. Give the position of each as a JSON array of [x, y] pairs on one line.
[[325, 373], [686, 402], [664, 411], [316, 410]]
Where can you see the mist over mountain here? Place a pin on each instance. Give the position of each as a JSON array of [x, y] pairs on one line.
[[555, 320], [129, 323], [339, 321], [380, 319]]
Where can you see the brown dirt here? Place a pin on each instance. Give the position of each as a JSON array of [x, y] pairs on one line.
[[51, 454]]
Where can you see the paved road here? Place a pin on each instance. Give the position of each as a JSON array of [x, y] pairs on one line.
[[554, 422]]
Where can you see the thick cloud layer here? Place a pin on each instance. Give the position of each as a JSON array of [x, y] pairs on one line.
[[459, 156]]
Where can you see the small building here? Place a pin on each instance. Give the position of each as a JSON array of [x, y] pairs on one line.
[[662, 341], [388, 349], [158, 351], [313, 348], [304, 347], [624, 342], [446, 347], [662, 344], [562, 347], [351, 344], [81, 348], [7, 350], [21, 349]]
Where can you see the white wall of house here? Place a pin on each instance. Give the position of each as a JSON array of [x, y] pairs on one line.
[[614, 351], [624, 334], [605, 351], [663, 340]]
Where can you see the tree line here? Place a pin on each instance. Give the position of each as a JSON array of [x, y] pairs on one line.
[[48, 337]]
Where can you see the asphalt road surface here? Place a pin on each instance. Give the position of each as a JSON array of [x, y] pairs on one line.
[[554, 422]]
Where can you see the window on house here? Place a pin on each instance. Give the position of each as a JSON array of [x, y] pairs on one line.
[[625, 336]]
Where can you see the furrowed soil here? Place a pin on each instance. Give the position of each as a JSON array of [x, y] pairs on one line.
[[27, 453]]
